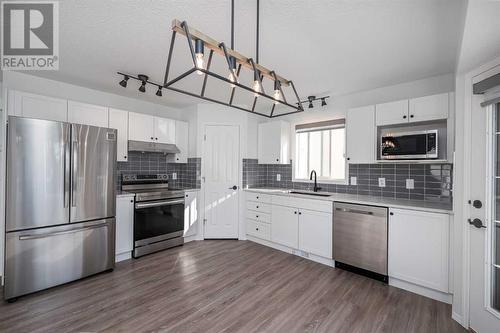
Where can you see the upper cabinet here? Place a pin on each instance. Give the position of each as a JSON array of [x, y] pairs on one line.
[[119, 119], [429, 108], [144, 127], [28, 105], [420, 109], [181, 141], [87, 114], [274, 143], [360, 135]]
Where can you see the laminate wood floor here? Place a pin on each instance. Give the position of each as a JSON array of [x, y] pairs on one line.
[[225, 286]]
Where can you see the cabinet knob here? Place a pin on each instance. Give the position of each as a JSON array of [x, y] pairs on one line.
[[257, 216], [404, 117], [348, 158], [156, 139], [295, 212], [132, 201], [277, 160], [152, 138], [391, 213], [257, 229], [177, 158], [257, 206], [411, 116], [257, 197], [300, 213], [125, 156]]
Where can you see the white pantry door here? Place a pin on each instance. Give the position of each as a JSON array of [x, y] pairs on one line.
[[221, 159], [484, 213]]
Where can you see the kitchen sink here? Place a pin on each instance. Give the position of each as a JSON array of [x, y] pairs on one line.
[[311, 193]]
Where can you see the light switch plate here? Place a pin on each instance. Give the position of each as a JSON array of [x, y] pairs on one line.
[[174, 175], [381, 182], [354, 180], [278, 177], [410, 184]]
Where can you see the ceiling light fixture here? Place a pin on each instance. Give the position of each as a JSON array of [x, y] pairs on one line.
[[144, 80], [199, 49], [323, 102], [123, 82], [312, 98]]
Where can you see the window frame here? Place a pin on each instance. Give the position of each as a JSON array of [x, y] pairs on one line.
[[340, 181]]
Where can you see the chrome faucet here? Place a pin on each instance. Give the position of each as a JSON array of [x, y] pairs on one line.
[[316, 188]]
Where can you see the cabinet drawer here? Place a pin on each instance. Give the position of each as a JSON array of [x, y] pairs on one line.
[[259, 206], [260, 230], [311, 204], [259, 216], [253, 196]]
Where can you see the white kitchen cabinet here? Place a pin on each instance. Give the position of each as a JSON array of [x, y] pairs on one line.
[[181, 141], [285, 226], [140, 127], [164, 130], [124, 226], [392, 113], [315, 232], [427, 108], [418, 248], [23, 104], [274, 143], [88, 114], [118, 119], [360, 135], [191, 215]]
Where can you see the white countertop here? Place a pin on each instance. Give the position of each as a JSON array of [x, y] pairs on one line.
[[427, 206]]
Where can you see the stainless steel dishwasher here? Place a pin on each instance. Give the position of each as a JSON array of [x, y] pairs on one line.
[[360, 239]]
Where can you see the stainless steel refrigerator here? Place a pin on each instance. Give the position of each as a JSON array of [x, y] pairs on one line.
[[60, 203]]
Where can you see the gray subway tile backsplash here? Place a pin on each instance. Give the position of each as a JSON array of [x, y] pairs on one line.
[[432, 182]]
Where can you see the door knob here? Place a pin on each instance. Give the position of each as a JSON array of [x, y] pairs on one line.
[[234, 188], [477, 223]]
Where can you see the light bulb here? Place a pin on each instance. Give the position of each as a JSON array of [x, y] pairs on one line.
[[276, 96], [257, 88], [233, 78], [200, 63]]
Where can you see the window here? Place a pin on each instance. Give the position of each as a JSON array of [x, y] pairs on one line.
[[320, 147]]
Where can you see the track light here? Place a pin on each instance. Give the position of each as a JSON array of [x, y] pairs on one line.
[[142, 88], [311, 105], [123, 82], [232, 74], [323, 102], [158, 93], [199, 48], [144, 79]]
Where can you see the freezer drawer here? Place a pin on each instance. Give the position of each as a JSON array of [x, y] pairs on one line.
[[360, 236], [46, 257]]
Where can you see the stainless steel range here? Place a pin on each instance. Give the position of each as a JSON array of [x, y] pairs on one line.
[[158, 213]]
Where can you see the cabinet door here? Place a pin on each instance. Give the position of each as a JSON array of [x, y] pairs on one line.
[[315, 232], [360, 135], [164, 130], [191, 214], [119, 119], [124, 224], [28, 105], [392, 113], [181, 141], [87, 114], [418, 248], [429, 108], [140, 127], [285, 226], [270, 143]]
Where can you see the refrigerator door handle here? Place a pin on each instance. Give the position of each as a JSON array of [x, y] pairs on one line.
[[67, 175], [51, 234], [74, 175]]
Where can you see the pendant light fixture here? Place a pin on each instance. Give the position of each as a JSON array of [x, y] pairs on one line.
[[199, 49]]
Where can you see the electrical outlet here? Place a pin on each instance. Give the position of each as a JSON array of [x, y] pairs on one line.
[[381, 182], [410, 184], [354, 180], [174, 175], [278, 177]]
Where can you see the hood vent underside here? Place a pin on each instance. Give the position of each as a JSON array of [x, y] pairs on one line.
[[152, 147]]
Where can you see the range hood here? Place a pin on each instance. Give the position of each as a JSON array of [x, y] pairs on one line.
[[152, 147]]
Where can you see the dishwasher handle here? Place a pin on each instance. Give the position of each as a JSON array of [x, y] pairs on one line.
[[354, 211]]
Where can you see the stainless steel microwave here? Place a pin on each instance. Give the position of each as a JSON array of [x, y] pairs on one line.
[[409, 145]]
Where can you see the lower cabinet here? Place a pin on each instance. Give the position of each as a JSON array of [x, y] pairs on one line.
[[191, 215], [124, 227], [285, 226], [419, 248], [315, 232]]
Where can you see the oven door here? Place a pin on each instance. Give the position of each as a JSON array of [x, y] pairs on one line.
[[158, 220], [413, 146]]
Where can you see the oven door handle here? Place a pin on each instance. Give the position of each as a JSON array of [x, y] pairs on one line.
[[158, 203]]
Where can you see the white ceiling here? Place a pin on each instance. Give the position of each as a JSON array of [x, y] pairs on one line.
[[336, 47]]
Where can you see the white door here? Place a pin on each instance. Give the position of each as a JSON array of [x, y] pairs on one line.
[[140, 127], [285, 226], [87, 114], [484, 284], [360, 135], [221, 160], [164, 130], [118, 119]]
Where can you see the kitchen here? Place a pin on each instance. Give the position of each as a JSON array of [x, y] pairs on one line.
[[154, 191]]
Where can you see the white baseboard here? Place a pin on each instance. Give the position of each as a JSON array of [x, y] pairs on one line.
[[459, 319], [123, 256], [190, 238], [423, 291]]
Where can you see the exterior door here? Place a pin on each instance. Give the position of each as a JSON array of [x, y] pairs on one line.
[[221, 153], [484, 294], [93, 179]]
